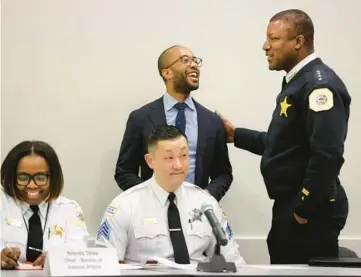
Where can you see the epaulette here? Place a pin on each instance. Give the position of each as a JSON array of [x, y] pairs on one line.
[[63, 200], [66, 201], [319, 75], [190, 185], [114, 205], [133, 189]]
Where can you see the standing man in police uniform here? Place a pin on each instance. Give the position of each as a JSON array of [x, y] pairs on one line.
[[302, 151], [161, 217]]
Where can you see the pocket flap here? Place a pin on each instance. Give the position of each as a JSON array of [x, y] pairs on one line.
[[149, 231]]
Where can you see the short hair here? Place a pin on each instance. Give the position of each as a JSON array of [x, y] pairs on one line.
[[164, 132], [27, 148], [162, 59], [300, 23]]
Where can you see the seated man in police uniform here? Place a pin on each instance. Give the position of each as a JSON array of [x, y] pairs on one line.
[[161, 217]]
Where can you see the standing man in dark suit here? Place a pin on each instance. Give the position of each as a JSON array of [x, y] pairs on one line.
[[210, 167]]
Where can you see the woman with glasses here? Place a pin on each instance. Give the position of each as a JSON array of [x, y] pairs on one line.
[[34, 217]]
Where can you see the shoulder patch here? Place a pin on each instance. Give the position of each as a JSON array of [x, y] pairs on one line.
[[80, 214], [112, 209], [73, 205], [320, 99], [80, 218], [229, 231]]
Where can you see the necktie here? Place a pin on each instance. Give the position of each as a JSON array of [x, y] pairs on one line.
[[180, 121], [180, 249], [35, 236], [284, 82]]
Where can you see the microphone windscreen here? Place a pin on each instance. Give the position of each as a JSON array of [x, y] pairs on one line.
[[206, 207]]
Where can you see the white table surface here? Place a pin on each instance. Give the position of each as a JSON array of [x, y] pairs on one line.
[[264, 270]]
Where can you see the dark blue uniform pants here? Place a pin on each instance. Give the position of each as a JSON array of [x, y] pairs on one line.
[[292, 243]]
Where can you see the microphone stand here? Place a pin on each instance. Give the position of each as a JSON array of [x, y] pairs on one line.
[[217, 263]]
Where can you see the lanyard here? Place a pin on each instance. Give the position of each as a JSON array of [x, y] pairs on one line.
[[46, 220]]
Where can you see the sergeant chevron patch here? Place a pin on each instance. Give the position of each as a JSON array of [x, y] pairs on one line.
[[104, 230]]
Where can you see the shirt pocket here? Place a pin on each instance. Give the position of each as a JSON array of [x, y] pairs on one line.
[[15, 234], [199, 237], [151, 240]]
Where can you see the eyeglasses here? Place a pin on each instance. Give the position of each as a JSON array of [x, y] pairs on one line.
[[186, 60], [24, 179]]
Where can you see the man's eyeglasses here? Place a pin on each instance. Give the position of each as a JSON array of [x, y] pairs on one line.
[[24, 179], [186, 60]]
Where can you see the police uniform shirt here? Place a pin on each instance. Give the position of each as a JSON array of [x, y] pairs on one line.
[[324, 112], [62, 223], [302, 150], [136, 224]]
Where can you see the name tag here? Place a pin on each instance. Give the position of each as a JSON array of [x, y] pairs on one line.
[[85, 262], [150, 220], [13, 222]]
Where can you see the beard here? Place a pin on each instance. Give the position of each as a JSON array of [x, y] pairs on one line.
[[182, 85]]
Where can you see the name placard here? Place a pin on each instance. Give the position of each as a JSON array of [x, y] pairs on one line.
[[84, 262]]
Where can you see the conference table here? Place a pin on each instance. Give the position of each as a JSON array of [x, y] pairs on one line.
[[246, 270]]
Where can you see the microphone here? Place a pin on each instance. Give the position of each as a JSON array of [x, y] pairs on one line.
[[218, 231], [217, 262]]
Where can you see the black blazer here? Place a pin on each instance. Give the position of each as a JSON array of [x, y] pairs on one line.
[[212, 158]]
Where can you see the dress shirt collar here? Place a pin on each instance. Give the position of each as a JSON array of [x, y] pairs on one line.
[[43, 207], [299, 66], [162, 194], [170, 101]]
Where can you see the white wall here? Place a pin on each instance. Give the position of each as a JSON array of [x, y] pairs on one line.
[[73, 70]]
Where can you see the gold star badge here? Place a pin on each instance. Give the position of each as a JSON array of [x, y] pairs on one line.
[[284, 107]]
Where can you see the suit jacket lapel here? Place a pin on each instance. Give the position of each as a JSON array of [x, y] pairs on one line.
[[156, 112], [202, 127]]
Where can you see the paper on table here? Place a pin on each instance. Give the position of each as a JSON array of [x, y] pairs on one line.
[[28, 266], [130, 266], [169, 263]]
